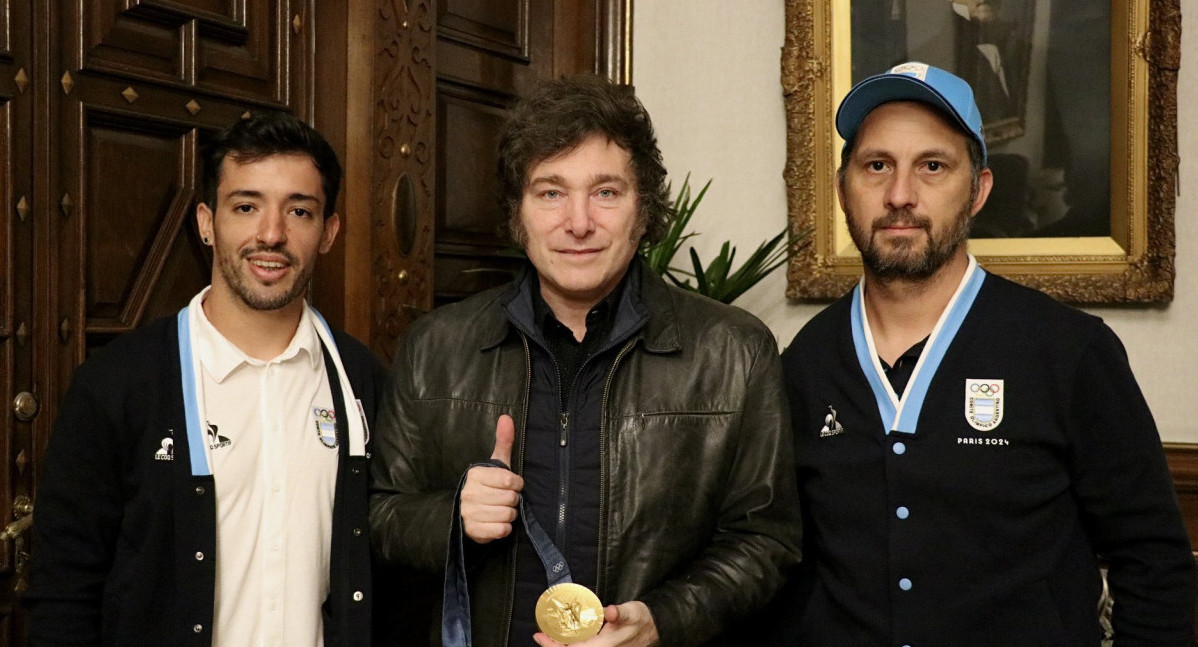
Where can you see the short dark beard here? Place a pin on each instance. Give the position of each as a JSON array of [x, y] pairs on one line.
[[229, 270], [907, 267]]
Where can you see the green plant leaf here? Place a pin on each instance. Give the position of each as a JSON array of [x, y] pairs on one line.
[[700, 277], [659, 255], [718, 280]]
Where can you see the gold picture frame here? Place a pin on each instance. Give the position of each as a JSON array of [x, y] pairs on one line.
[[1134, 264]]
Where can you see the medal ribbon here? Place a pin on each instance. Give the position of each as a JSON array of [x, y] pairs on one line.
[[455, 608], [902, 414], [192, 384]]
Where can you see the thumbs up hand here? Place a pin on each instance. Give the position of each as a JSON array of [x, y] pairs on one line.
[[490, 494]]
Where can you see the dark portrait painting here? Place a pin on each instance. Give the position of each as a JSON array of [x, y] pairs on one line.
[[1041, 73]]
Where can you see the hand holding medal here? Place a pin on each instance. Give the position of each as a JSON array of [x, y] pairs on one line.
[[628, 625], [489, 501]]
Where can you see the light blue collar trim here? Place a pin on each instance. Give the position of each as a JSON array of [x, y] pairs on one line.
[[192, 385], [902, 414]]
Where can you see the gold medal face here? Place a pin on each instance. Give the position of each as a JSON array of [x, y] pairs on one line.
[[569, 613]]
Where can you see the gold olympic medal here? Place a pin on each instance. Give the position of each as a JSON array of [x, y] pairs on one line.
[[569, 613]]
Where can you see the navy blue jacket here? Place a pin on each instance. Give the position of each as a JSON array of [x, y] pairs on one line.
[[997, 533], [116, 532]]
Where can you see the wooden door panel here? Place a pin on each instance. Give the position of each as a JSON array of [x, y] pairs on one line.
[[137, 200], [207, 46], [495, 26], [143, 82], [130, 42], [468, 138], [472, 244], [242, 62]]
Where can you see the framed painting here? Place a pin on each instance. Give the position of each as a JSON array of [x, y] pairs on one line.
[[1079, 110]]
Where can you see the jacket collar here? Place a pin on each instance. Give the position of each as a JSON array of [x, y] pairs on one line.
[[648, 299]]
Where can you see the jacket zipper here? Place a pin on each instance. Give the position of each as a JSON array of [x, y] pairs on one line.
[[563, 454], [600, 583], [563, 486]]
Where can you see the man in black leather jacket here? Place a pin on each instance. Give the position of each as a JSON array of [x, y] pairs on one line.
[[644, 425]]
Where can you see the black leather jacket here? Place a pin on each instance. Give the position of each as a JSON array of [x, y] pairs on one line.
[[700, 509]]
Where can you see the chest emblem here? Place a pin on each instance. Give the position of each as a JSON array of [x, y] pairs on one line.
[[831, 424], [984, 403], [326, 426], [216, 440], [167, 453]]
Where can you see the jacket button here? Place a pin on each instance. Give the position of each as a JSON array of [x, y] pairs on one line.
[[199, 490], [358, 596], [199, 556], [357, 532], [197, 628], [355, 470]]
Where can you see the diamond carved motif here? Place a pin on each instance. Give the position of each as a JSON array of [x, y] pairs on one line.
[[67, 204], [23, 209], [130, 94], [193, 107], [68, 83], [22, 80]]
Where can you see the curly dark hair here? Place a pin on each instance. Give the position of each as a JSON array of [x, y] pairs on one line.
[[272, 133], [556, 118]]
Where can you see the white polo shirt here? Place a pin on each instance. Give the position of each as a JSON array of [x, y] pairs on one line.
[[272, 446]]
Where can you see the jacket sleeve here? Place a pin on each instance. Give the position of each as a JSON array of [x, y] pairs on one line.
[[77, 519], [1128, 503], [409, 517], [757, 533]]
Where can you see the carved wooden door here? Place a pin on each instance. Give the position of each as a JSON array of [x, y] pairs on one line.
[[446, 72], [105, 104]]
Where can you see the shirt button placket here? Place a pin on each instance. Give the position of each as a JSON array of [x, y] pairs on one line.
[[902, 512]]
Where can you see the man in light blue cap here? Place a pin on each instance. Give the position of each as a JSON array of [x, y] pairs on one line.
[[967, 449]]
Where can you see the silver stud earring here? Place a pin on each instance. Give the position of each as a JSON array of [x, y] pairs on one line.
[[205, 240]]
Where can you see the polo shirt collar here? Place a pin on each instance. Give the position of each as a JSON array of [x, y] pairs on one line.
[[220, 357]]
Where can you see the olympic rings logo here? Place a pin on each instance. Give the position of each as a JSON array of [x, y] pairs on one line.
[[985, 389], [325, 414]]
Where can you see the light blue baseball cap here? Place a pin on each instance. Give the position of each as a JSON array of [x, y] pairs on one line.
[[912, 82]]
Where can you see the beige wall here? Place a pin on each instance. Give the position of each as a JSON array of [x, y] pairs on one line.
[[718, 112]]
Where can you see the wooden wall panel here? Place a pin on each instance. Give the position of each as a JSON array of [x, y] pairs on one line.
[[403, 156], [1183, 465]]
